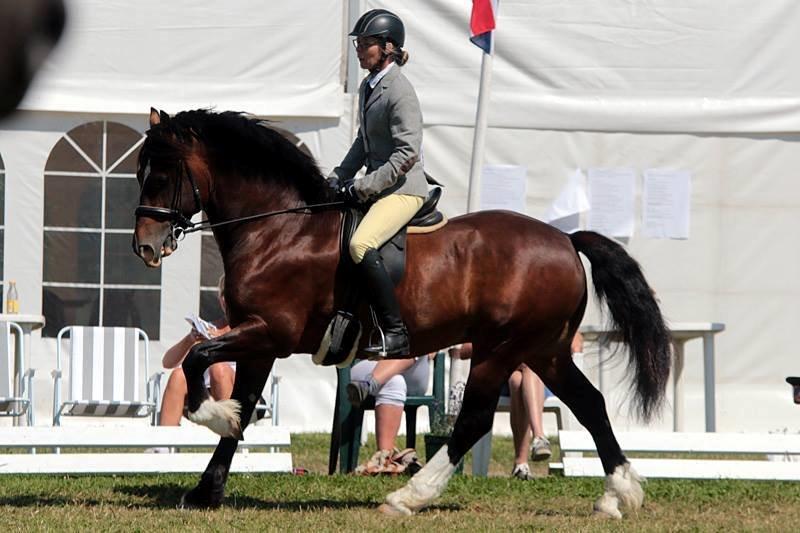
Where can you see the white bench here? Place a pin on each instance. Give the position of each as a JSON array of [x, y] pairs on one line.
[[133, 462], [706, 443], [482, 450]]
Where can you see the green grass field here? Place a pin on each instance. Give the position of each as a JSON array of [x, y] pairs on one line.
[[332, 503]]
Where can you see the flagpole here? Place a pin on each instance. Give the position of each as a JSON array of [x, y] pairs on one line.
[[480, 10], [479, 140]]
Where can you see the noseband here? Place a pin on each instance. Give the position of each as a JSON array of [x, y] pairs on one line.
[[178, 222]]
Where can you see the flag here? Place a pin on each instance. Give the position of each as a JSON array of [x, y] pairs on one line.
[[482, 23]]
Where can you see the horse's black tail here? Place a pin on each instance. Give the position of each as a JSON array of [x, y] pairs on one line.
[[619, 281]]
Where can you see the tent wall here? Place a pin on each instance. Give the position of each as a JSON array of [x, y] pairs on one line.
[[278, 59], [708, 87]]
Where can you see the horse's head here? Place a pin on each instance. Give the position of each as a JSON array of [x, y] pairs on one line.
[[28, 31], [170, 176]]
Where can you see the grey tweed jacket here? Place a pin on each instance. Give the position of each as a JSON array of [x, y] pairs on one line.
[[390, 134]]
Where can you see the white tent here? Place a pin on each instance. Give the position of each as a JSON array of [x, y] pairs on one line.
[[707, 87]]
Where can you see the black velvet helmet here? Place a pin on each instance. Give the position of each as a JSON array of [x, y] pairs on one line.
[[380, 23]]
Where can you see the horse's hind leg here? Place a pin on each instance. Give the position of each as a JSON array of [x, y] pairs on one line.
[[474, 421], [210, 490], [622, 487]]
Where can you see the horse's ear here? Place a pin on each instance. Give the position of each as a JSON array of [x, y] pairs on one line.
[[164, 116], [155, 119]]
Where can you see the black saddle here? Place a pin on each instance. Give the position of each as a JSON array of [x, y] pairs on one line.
[[394, 251], [345, 329]]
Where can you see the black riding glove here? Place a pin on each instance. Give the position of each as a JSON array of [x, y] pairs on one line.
[[334, 184], [348, 194]]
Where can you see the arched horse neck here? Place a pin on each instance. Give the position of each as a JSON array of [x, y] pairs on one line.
[[233, 196]]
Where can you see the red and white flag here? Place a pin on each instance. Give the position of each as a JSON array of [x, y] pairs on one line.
[[482, 24]]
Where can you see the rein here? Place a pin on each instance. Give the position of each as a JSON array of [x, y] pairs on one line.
[[180, 224], [204, 224]]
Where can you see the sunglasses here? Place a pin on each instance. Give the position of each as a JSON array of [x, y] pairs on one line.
[[361, 44]]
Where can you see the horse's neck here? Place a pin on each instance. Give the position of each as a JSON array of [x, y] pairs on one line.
[[277, 233]]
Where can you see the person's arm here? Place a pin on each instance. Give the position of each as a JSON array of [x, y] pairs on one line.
[[220, 327], [177, 353], [405, 125], [577, 343], [355, 159]]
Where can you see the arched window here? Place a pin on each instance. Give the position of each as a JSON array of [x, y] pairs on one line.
[[91, 276], [211, 261]]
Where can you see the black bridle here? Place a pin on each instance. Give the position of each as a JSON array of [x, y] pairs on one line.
[[180, 224]]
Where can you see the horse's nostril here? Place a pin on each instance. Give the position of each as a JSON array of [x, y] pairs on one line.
[[146, 252]]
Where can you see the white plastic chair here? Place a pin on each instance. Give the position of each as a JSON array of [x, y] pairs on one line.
[[268, 408], [106, 377], [16, 391]]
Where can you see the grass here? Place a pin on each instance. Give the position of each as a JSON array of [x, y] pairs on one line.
[[331, 503]]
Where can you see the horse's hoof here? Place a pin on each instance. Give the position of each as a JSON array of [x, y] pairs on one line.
[[391, 510], [209, 492], [194, 499], [607, 506], [602, 515]]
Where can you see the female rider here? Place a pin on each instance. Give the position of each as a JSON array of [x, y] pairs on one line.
[[388, 143]]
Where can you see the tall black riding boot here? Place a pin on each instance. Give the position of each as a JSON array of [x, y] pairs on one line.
[[380, 292]]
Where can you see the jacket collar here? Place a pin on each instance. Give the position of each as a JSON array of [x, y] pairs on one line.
[[383, 83]]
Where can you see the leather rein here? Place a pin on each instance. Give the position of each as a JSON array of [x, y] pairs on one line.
[[180, 224]]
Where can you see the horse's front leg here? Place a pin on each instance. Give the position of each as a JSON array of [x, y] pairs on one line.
[[210, 490], [245, 345], [221, 416], [474, 421]]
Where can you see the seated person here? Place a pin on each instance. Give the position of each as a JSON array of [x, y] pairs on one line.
[[527, 393], [389, 381], [218, 377]]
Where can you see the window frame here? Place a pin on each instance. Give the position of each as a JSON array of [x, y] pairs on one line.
[[104, 173]]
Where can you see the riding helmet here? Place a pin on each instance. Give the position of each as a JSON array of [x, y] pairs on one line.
[[380, 23]]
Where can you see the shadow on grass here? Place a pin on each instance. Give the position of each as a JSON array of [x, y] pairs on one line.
[[33, 500], [168, 496]]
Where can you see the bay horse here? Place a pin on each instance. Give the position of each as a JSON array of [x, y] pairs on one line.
[[513, 286]]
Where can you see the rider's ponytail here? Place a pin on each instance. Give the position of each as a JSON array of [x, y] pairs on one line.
[[400, 56], [397, 54]]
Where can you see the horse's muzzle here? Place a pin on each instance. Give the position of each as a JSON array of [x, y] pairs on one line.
[[152, 250]]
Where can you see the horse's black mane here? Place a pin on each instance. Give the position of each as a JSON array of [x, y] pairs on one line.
[[241, 144]]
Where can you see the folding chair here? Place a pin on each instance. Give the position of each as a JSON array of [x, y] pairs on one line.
[[268, 408], [348, 420], [105, 379], [16, 392]]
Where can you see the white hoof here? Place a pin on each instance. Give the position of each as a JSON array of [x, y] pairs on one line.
[[221, 417], [607, 505], [427, 485], [392, 509], [623, 489]]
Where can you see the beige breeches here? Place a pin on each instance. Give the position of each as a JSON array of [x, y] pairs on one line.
[[385, 218]]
